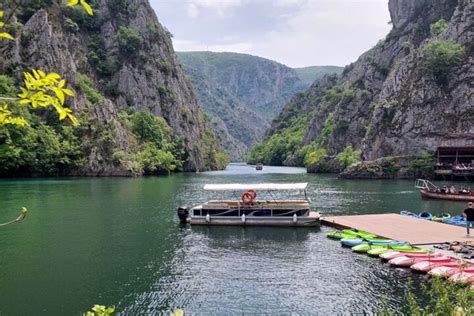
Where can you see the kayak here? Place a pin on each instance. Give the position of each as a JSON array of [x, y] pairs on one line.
[[426, 266], [463, 277], [455, 220], [441, 217], [349, 233], [376, 252], [412, 254], [405, 261], [422, 215], [366, 247], [346, 242], [449, 271]]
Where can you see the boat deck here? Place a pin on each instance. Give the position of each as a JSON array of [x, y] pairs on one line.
[[404, 228]]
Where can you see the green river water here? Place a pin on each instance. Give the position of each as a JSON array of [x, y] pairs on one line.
[[117, 242]]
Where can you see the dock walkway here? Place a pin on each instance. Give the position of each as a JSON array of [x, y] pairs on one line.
[[404, 228]]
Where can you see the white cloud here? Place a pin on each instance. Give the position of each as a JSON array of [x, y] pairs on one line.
[[220, 7], [294, 32], [240, 47]]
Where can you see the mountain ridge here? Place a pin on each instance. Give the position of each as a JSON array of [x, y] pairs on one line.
[[241, 93]]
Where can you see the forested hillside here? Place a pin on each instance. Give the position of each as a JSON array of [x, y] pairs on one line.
[[310, 74], [409, 94], [242, 93], [138, 112]]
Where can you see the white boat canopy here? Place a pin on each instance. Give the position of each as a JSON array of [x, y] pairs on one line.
[[255, 186]]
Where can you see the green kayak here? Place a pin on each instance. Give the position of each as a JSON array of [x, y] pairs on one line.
[[441, 217], [349, 234], [368, 247], [375, 252]]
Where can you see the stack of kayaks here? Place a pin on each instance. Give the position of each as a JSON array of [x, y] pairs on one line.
[[402, 254]]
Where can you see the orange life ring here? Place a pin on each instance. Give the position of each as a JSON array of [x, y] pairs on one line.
[[248, 197]]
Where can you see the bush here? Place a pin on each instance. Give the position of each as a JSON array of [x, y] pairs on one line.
[[438, 27], [85, 84], [348, 156], [129, 41], [7, 86], [275, 149], [339, 93], [441, 58], [439, 298], [38, 149], [314, 157], [161, 150]]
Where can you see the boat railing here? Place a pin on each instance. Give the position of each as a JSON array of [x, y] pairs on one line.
[[424, 184]]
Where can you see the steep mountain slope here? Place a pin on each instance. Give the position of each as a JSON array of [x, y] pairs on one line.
[[241, 94], [310, 74], [407, 95], [119, 59]]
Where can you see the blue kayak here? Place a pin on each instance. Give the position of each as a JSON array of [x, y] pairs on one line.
[[354, 242], [455, 220], [422, 215]]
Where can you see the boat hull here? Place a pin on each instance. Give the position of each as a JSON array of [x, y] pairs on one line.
[[312, 219], [451, 197]]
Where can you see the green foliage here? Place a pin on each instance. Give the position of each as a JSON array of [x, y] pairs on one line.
[[100, 310], [84, 83], [38, 149], [275, 149], [314, 157], [156, 161], [339, 93], [423, 163], [166, 67], [309, 74], [30, 7], [438, 27], [438, 298], [161, 150], [7, 86], [104, 63], [85, 21], [441, 58], [348, 156], [129, 41], [328, 126]]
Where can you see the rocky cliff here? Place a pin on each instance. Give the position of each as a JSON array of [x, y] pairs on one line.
[[119, 59], [409, 94], [242, 93]]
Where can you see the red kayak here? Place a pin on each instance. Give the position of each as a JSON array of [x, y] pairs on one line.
[[394, 254], [409, 261], [463, 277], [449, 271], [427, 265]]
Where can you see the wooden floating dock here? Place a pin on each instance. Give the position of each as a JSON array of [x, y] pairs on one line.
[[398, 227]]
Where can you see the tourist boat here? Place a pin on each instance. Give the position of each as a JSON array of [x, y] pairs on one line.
[[431, 191], [259, 166], [249, 210]]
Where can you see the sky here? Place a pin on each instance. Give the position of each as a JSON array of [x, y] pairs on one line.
[[297, 33]]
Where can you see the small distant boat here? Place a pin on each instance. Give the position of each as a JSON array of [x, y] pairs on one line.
[[259, 166], [250, 211], [430, 191]]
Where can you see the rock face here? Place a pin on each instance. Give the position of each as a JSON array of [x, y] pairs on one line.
[[389, 102], [130, 60], [243, 93]]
